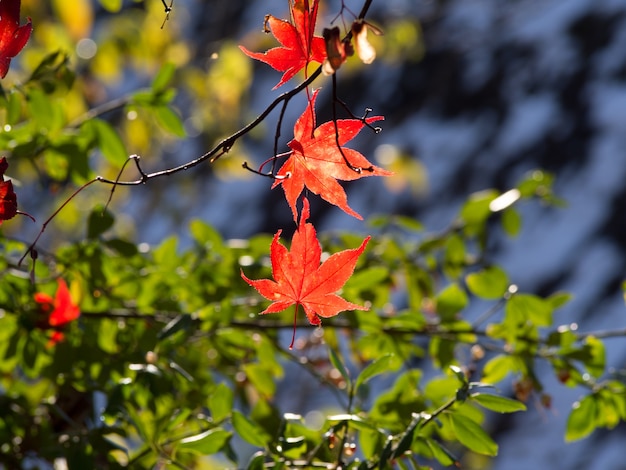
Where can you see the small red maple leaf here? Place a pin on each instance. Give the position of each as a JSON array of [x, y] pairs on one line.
[[13, 37], [317, 162], [8, 199], [299, 279], [298, 44], [61, 309]]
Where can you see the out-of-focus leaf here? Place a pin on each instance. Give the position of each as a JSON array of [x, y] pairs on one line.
[[123, 247], [249, 431], [180, 323], [108, 141], [100, 220], [597, 356], [261, 378], [112, 5], [170, 121], [498, 403], [498, 368], [476, 209], [337, 364], [379, 366], [558, 299], [522, 308], [450, 302], [582, 419], [367, 278], [454, 256], [490, 283], [443, 455], [472, 436], [163, 77], [77, 16], [511, 221], [207, 442], [220, 402], [257, 462]]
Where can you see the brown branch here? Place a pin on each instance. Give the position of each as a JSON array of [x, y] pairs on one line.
[[226, 144]]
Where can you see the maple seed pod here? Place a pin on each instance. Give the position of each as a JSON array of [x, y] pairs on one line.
[[337, 51], [364, 49]]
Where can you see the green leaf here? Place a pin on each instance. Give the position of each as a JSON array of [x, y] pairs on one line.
[[511, 222], [107, 336], [108, 141], [99, 221], [523, 308], [337, 364], [597, 356], [498, 368], [451, 301], [405, 443], [180, 323], [383, 364], [408, 223], [249, 431], [558, 299], [163, 77], [498, 403], [221, 402], [582, 419], [454, 256], [476, 209], [261, 379], [367, 278], [123, 247], [111, 5], [207, 442], [443, 455], [257, 462], [170, 121], [471, 435], [441, 350], [490, 283]]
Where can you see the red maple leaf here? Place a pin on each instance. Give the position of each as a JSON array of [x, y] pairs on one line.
[[13, 37], [317, 162], [8, 199], [61, 309], [299, 279], [298, 44]]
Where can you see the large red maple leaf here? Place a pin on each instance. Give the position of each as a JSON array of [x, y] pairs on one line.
[[13, 37], [298, 44], [8, 199], [299, 279], [317, 162]]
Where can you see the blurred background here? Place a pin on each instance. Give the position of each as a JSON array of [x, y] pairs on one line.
[[475, 94]]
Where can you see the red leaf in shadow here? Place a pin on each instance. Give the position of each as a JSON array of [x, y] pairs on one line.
[[13, 37], [8, 199]]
